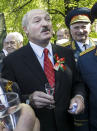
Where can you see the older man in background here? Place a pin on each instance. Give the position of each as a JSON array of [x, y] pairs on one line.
[[12, 42], [62, 36]]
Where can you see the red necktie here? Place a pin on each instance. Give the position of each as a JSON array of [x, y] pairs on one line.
[[48, 69]]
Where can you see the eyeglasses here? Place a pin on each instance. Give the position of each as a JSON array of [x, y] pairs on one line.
[[10, 42]]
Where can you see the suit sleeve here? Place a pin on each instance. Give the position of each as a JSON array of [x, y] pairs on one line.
[[78, 86], [7, 70]]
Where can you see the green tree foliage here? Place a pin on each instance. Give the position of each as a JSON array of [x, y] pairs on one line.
[[2, 29], [15, 9]]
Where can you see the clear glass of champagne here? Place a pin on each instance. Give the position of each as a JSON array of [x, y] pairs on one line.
[[50, 91], [9, 110]]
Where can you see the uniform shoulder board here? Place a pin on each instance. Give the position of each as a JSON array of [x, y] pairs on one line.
[[66, 44], [87, 50], [73, 45]]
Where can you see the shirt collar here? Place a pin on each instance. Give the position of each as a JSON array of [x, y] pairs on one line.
[[81, 44], [5, 52], [39, 50]]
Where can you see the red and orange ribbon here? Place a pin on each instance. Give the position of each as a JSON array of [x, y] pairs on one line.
[[59, 63]]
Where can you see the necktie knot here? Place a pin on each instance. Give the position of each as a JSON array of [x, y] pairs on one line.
[[46, 51], [85, 46]]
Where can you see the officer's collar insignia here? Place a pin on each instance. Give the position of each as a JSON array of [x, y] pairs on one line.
[[66, 44], [73, 45], [93, 46], [87, 50]]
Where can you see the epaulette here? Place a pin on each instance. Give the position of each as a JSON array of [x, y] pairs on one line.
[[66, 44], [87, 50], [73, 45]]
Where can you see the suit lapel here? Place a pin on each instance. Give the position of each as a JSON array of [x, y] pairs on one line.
[[61, 77], [57, 73], [33, 64]]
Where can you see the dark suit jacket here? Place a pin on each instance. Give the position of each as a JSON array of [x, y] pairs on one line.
[[23, 67]]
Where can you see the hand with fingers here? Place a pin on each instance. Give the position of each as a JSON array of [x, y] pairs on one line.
[[40, 99], [76, 105]]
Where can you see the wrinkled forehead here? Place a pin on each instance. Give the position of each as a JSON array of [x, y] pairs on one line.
[[37, 13]]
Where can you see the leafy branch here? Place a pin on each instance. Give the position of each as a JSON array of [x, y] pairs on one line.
[[54, 11], [21, 7]]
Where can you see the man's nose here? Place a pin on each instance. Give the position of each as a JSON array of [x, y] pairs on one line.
[[81, 30], [9, 44], [44, 23]]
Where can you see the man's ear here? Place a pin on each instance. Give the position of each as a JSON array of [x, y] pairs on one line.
[[21, 44], [25, 30]]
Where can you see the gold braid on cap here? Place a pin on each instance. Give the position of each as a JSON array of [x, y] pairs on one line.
[[79, 18]]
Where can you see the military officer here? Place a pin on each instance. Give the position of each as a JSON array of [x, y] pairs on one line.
[[79, 23]]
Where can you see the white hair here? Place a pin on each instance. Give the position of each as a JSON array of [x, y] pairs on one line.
[[16, 35], [19, 36], [24, 20]]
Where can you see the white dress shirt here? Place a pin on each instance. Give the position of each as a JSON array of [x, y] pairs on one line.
[[81, 45], [38, 50], [5, 52]]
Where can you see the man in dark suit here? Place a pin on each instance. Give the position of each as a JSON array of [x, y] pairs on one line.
[[28, 67]]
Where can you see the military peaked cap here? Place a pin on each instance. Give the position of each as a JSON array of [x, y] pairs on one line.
[[94, 11], [83, 12]]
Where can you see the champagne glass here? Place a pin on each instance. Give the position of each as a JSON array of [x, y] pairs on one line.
[[50, 91], [9, 110]]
